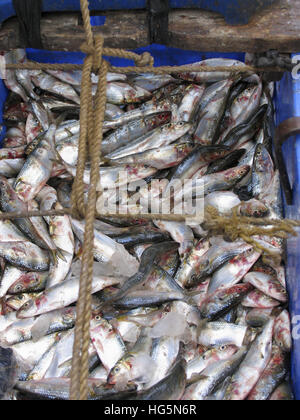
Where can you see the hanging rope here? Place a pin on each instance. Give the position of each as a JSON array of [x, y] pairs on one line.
[[92, 113]]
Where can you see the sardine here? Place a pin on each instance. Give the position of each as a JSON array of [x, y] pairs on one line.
[[255, 362]]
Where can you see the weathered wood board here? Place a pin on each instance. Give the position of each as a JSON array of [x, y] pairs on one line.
[[276, 27]]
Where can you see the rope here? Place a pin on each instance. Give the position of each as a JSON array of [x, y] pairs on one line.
[[78, 387], [91, 128], [145, 62]]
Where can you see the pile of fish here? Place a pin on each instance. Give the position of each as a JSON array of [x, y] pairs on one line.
[[178, 314]]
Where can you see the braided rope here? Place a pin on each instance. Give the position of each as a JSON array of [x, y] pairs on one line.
[[146, 68], [91, 124]]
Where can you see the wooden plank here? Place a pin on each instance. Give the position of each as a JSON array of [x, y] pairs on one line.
[[277, 27]]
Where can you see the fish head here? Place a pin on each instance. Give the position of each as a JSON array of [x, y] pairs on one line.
[[28, 310], [226, 351], [237, 173], [121, 372], [17, 301], [69, 316], [28, 282], [262, 160], [158, 119], [254, 208], [22, 189]]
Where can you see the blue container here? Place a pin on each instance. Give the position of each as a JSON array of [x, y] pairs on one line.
[[287, 103], [234, 11]]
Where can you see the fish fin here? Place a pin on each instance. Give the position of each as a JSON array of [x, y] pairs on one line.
[[57, 161], [60, 254], [202, 377], [51, 118], [60, 118], [53, 255], [201, 325]]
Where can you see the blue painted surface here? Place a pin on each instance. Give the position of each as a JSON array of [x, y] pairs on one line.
[[287, 105], [234, 11], [3, 95]]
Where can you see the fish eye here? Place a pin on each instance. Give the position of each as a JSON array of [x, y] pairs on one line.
[[223, 347], [26, 305], [98, 318], [117, 370], [18, 288]]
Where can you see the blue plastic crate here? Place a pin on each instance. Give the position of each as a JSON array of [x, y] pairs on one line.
[[234, 11], [287, 103]]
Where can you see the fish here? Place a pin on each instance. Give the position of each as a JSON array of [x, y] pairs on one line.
[[151, 82], [8, 366], [253, 365], [38, 167], [257, 299], [130, 367], [169, 388], [108, 343], [138, 235], [137, 299], [119, 93], [213, 375], [164, 353], [107, 251], [217, 255], [211, 116], [257, 318], [133, 130], [221, 181], [268, 285], [60, 296], [16, 248], [61, 232], [37, 327], [282, 331], [233, 272], [10, 168], [224, 300], [190, 102], [198, 159], [51, 84], [263, 171], [197, 365], [12, 275], [161, 136], [160, 157], [214, 334], [242, 133], [210, 77], [10, 77], [58, 389], [35, 228], [282, 393], [243, 107], [26, 281], [272, 377], [178, 311], [179, 232]]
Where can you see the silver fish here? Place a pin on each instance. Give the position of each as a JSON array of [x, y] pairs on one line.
[[253, 365]]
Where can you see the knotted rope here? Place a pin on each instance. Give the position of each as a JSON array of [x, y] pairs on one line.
[[92, 113]]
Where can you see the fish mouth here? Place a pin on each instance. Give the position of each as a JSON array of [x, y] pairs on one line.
[[111, 380]]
